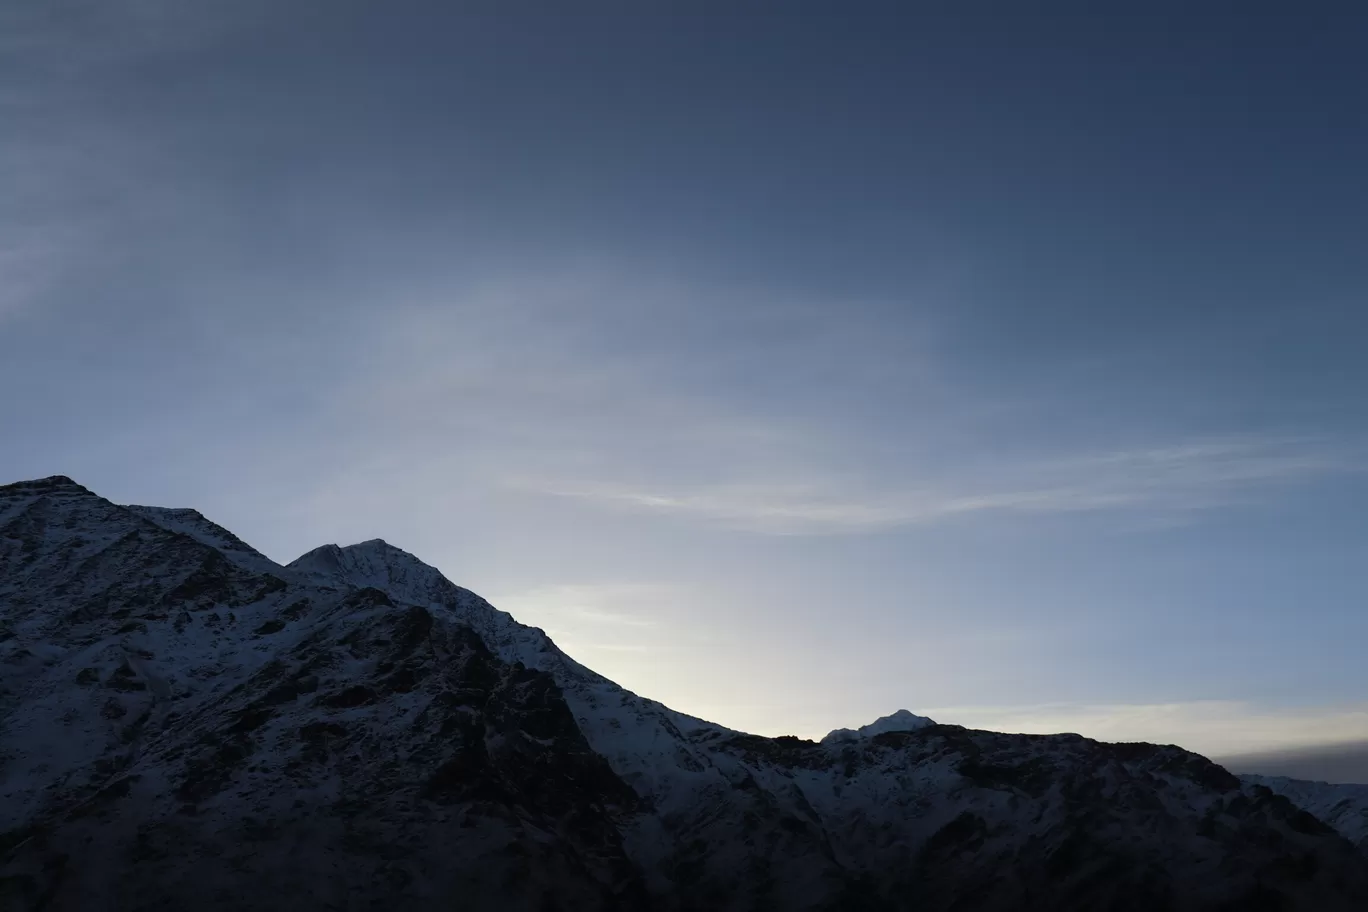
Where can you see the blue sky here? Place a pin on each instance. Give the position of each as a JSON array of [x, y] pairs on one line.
[[789, 365]]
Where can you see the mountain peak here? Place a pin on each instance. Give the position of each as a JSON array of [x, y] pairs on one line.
[[377, 563], [902, 720], [50, 484], [377, 546]]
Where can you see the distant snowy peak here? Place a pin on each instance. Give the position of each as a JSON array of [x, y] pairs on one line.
[[902, 720]]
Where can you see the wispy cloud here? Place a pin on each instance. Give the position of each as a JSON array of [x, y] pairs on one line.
[[617, 418], [1172, 480], [616, 628], [602, 610]]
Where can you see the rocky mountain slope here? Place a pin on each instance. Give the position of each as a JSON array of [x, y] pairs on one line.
[[1344, 807], [186, 724]]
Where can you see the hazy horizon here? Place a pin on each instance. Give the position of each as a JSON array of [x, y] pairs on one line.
[[1332, 761], [1343, 763], [788, 368]]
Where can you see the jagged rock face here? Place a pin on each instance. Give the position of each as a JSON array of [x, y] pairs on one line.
[[187, 724]]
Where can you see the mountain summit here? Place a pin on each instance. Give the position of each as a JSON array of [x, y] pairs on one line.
[[186, 724], [374, 563]]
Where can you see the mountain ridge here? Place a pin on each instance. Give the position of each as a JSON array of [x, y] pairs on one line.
[[185, 724]]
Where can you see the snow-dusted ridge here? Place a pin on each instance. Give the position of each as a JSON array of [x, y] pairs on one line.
[[185, 723], [194, 524]]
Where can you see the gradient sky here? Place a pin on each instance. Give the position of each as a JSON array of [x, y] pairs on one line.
[[790, 363]]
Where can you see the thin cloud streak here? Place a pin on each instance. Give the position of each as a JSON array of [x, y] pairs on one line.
[[605, 606], [1176, 480]]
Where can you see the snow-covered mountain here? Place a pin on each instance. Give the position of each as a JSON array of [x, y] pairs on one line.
[[187, 724]]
